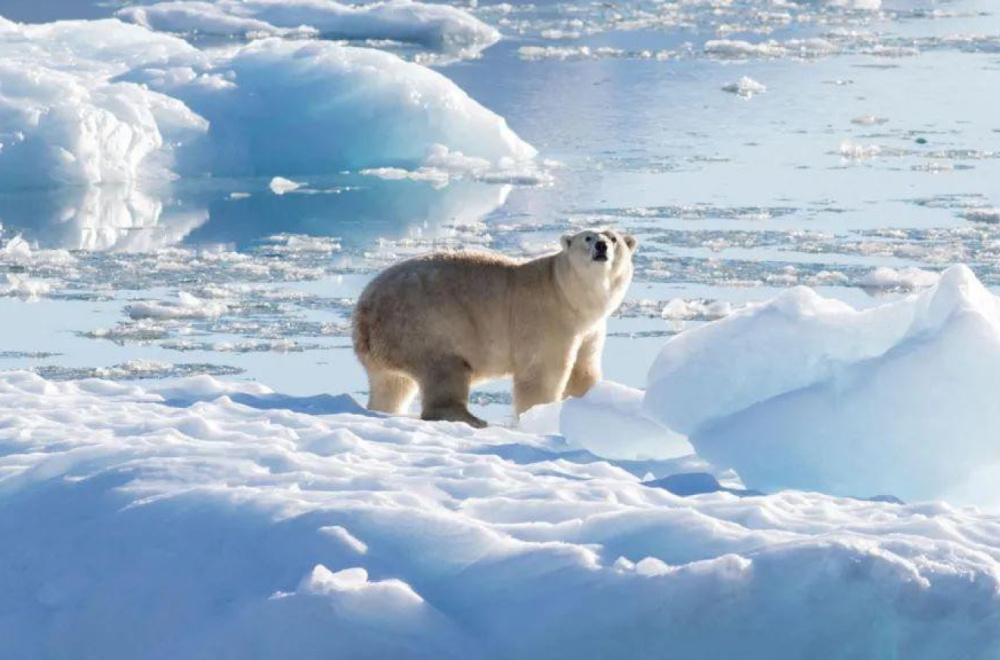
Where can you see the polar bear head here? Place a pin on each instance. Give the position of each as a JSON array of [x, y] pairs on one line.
[[599, 251], [597, 268]]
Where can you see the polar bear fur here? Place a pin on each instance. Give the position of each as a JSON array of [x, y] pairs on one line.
[[445, 321]]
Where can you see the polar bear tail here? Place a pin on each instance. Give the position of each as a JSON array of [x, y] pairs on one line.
[[362, 332]]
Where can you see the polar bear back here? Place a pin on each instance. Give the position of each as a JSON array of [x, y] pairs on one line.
[[449, 303]]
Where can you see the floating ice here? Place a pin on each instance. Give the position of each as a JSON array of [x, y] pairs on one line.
[[739, 49], [869, 120], [588, 53], [187, 307], [855, 151], [805, 392], [902, 279], [22, 287], [211, 528], [987, 215], [435, 26], [280, 185], [678, 309], [136, 370], [745, 87], [864, 5]]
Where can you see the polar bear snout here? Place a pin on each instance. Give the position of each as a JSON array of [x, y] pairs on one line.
[[601, 250]]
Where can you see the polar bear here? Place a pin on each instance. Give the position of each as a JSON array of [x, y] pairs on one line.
[[445, 321]]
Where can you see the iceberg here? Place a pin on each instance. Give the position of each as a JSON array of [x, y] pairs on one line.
[[66, 118], [105, 102], [809, 393]]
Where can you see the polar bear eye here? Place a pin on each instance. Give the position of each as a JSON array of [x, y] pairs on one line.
[[614, 239], [589, 239]]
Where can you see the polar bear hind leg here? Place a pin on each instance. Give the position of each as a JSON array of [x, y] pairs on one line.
[[444, 390], [390, 391]]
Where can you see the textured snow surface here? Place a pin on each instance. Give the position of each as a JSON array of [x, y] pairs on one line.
[[100, 102], [435, 26], [214, 520], [806, 392]]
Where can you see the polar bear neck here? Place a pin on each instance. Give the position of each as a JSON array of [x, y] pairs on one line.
[[592, 296]]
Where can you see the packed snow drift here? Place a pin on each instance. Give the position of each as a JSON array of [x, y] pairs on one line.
[[104, 102], [806, 392], [215, 520]]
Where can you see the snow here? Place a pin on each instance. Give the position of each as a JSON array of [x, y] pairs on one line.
[[807, 392], [436, 26], [584, 424], [103, 102], [207, 527]]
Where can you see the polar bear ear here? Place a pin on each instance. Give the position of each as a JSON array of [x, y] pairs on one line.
[[630, 241], [566, 241]]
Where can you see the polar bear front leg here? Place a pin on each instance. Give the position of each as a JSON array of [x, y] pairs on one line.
[[543, 378], [587, 367]]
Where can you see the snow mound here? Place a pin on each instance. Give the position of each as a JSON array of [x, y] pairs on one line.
[[210, 528], [104, 102], [806, 392], [584, 423], [437, 27]]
